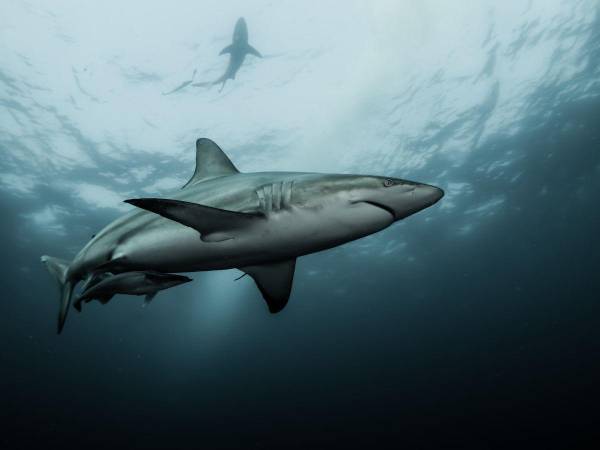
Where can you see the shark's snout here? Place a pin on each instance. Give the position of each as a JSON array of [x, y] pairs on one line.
[[421, 197], [428, 194], [406, 198]]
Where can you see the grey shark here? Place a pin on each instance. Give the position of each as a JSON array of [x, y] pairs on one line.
[[104, 287], [237, 50], [258, 223]]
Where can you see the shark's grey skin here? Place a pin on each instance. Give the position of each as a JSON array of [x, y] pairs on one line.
[[256, 222], [146, 283], [237, 50]]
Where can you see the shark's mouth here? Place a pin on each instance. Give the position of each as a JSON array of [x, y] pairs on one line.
[[381, 206]]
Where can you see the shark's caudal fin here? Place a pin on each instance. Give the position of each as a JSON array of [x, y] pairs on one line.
[[211, 162], [58, 269]]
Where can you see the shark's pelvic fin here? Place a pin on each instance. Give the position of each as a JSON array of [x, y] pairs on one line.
[[114, 265], [93, 280], [213, 224], [211, 162], [58, 268], [253, 51], [227, 49], [274, 281]]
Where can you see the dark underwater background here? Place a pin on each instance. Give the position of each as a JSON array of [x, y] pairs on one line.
[[472, 324]]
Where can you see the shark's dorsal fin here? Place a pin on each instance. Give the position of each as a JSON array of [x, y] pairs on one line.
[[274, 281], [211, 162], [213, 224]]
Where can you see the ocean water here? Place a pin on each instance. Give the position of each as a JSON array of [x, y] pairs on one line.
[[472, 324]]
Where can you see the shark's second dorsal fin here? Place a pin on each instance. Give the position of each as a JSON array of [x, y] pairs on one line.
[[211, 162]]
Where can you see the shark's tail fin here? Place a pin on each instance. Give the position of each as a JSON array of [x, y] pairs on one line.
[[58, 269]]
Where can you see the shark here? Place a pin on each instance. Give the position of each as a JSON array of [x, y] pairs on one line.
[[259, 223], [237, 50]]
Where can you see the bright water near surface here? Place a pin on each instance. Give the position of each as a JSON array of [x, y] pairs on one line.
[[473, 324]]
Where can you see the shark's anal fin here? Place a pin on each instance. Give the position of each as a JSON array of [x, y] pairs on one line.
[[274, 281], [149, 298], [253, 51], [226, 49], [213, 224], [211, 162], [104, 299]]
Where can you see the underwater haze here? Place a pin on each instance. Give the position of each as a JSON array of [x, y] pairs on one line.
[[472, 324]]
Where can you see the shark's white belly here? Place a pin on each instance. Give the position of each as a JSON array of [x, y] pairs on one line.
[[284, 234]]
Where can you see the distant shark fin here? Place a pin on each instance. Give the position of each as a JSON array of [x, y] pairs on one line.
[[211, 162], [253, 51], [227, 49], [213, 224], [274, 281]]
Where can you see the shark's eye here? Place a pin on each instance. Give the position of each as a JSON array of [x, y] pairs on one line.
[[387, 182]]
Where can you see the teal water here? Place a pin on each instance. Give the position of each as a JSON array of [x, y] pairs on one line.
[[473, 324]]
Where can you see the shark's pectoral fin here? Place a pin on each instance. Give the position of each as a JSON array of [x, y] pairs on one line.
[[213, 224], [274, 281], [253, 51], [226, 49]]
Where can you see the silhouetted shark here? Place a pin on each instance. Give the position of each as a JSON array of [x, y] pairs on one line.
[[237, 50]]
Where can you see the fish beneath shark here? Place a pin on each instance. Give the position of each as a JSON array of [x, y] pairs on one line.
[[104, 287], [238, 49], [259, 223]]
